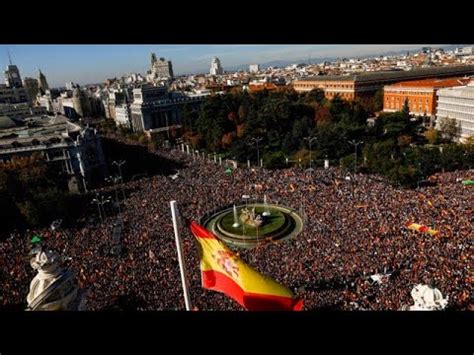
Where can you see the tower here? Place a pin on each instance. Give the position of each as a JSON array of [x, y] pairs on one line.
[[32, 88], [161, 68], [12, 75], [77, 101], [216, 68], [43, 84]]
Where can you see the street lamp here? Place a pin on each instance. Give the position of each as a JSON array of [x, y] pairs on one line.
[[119, 164], [355, 144], [101, 201], [257, 140], [114, 180], [310, 141], [419, 176]]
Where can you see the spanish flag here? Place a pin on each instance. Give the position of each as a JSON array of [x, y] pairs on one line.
[[223, 271], [421, 228]]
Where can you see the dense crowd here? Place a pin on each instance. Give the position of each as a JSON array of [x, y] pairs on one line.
[[354, 228]]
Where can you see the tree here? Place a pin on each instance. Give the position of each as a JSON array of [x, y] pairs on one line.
[[377, 102], [338, 108], [33, 192], [431, 135], [406, 110], [227, 139], [322, 114], [274, 160], [315, 95], [449, 128], [404, 140], [242, 113]]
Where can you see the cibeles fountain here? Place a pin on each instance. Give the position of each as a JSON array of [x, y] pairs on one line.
[[249, 224], [53, 288]]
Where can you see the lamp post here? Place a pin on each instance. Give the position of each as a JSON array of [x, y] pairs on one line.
[[310, 140], [101, 201], [119, 164], [419, 176], [257, 140], [355, 144], [114, 180]]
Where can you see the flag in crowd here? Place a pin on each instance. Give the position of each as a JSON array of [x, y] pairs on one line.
[[223, 271]]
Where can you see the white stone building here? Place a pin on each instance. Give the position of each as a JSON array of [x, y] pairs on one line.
[[216, 68], [254, 68], [122, 116], [457, 103]]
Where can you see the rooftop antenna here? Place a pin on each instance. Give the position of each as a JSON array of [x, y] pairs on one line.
[[9, 57]]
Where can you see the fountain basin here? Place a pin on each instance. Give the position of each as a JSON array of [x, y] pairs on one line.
[[282, 223]]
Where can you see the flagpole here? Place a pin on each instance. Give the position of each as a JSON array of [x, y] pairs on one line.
[[179, 248]]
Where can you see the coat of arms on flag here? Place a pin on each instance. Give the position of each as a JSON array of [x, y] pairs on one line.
[[224, 271]]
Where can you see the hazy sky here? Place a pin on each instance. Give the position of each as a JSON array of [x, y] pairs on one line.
[[94, 63]]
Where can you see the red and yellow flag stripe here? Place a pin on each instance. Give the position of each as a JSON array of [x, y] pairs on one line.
[[223, 271], [422, 228]]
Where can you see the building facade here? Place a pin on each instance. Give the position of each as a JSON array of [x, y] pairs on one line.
[[153, 107], [74, 150], [31, 86], [42, 82], [216, 68], [123, 116], [254, 68], [12, 77], [161, 68], [20, 111], [421, 94], [366, 84], [457, 103], [13, 95]]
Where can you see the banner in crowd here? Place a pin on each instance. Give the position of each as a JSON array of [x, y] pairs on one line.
[[223, 271], [36, 239], [421, 228], [468, 182]]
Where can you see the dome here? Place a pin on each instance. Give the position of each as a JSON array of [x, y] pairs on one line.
[[6, 122]]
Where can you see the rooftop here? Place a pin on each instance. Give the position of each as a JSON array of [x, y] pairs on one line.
[[393, 75], [433, 83], [39, 130]]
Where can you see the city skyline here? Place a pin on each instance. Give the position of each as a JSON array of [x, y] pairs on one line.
[[86, 64]]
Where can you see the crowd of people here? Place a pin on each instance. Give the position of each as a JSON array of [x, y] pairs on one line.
[[354, 227]]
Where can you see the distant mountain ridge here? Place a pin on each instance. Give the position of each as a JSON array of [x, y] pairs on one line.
[[317, 60]]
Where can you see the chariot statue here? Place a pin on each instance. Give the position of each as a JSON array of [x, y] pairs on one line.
[[251, 218]]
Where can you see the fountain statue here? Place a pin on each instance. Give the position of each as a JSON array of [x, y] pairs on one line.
[[53, 288], [236, 219], [266, 213], [251, 218]]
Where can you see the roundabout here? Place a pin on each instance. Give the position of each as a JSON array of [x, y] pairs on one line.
[[249, 225]]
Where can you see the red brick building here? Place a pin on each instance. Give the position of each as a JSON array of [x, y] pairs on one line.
[[365, 84], [421, 94]]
